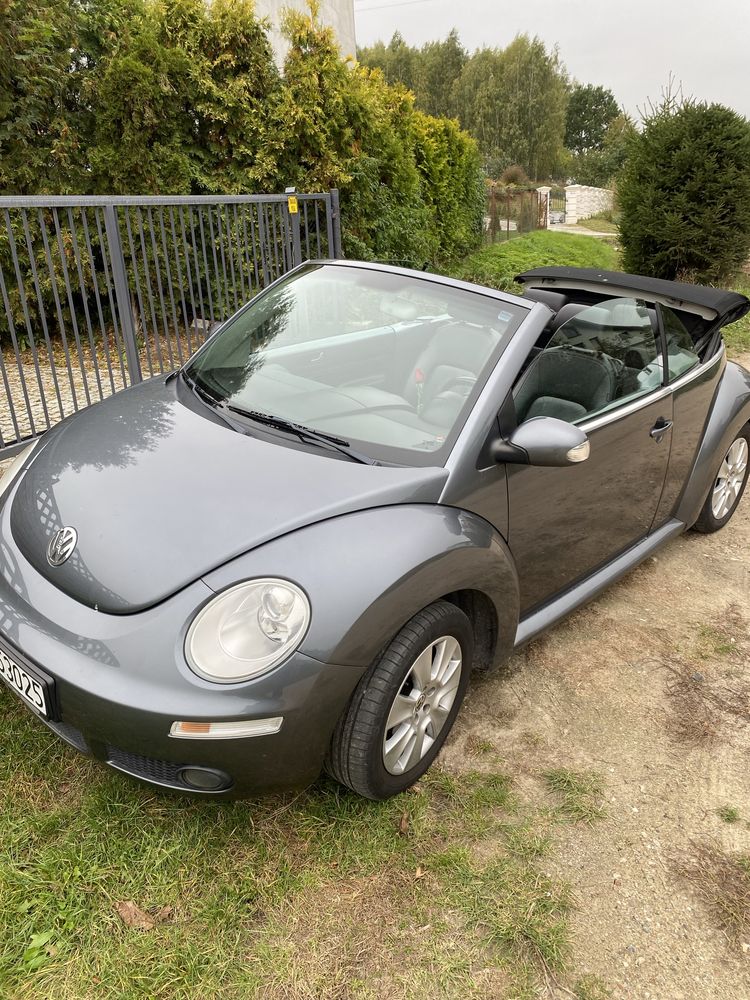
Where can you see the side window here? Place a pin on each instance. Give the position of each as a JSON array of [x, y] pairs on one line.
[[681, 354], [595, 360]]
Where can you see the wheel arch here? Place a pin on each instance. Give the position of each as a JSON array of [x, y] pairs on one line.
[[481, 612], [730, 412]]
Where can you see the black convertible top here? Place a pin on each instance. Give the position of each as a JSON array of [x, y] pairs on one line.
[[711, 303]]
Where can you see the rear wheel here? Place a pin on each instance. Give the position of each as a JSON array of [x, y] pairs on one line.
[[405, 705], [728, 487]]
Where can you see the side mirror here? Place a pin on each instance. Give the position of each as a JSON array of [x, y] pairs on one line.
[[543, 441]]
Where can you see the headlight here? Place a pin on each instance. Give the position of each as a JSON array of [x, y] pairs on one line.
[[247, 629], [14, 468]]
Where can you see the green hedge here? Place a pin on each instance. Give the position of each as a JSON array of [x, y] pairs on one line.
[[181, 96]]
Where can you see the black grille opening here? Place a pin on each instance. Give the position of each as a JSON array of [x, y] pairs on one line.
[[70, 734], [163, 771]]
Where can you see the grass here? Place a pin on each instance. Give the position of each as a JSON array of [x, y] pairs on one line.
[[112, 890], [496, 266], [723, 882], [599, 224], [729, 814], [737, 336], [580, 794]]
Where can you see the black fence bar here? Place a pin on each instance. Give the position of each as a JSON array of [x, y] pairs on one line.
[[97, 293]]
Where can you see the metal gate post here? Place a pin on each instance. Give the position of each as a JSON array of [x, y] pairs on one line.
[[292, 213], [336, 219], [122, 293]]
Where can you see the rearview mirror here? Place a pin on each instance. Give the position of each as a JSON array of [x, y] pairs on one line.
[[543, 441]]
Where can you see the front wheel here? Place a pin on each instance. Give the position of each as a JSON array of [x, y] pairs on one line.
[[728, 487], [405, 705]]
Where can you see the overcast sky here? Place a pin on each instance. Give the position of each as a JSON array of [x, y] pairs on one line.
[[629, 46]]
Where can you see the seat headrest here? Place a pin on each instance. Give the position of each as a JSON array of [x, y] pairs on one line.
[[398, 307], [567, 312]]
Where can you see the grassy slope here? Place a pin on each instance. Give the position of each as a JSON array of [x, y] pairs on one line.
[[497, 265]]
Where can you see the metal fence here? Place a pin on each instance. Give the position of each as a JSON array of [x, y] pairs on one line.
[[512, 212], [98, 293]]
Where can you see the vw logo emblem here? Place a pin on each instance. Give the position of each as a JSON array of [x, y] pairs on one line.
[[61, 546]]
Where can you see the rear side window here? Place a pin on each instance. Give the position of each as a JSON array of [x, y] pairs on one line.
[[602, 356], [681, 355]]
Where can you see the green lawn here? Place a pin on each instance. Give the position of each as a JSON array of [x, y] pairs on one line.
[[439, 893], [497, 265], [599, 224], [737, 336]]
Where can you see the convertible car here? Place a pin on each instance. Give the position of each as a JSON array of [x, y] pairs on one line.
[[289, 555]]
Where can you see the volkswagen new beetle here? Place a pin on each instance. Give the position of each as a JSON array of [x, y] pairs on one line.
[[290, 554]]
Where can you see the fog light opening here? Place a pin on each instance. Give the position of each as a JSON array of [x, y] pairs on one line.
[[204, 779]]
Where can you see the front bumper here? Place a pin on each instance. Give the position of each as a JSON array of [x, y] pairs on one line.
[[120, 681]]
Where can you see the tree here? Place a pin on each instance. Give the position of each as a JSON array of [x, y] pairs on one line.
[[590, 111], [684, 193], [440, 65], [39, 133], [514, 102], [598, 167]]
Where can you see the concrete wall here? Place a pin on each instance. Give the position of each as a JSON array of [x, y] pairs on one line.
[[581, 202], [339, 14]]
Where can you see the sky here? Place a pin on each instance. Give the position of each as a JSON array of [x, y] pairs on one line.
[[630, 46]]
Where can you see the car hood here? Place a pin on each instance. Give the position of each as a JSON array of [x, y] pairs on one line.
[[161, 493]]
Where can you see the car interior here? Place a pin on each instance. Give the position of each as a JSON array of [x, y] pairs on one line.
[[597, 352], [402, 384]]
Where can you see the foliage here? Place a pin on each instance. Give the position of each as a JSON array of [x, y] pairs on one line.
[[590, 111], [514, 174], [684, 193], [511, 100], [497, 266], [598, 167], [38, 136], [180, 96]]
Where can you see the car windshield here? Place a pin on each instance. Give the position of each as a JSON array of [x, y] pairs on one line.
[[389, 363]]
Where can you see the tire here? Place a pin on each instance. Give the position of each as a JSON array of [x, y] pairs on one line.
[[422, 652], [721, 502]]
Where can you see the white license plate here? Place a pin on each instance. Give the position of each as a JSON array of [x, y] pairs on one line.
[[21, 681]]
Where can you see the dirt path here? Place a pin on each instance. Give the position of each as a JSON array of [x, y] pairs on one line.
[[649, 686]]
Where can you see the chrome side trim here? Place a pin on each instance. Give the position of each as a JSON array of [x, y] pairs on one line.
[[588, 425], [585, 591]]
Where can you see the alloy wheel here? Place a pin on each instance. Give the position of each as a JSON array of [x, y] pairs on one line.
[[729, 479], [422, 705]]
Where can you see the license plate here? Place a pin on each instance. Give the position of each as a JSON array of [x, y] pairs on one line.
[[21, 681]]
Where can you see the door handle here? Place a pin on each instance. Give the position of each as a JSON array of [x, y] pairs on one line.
[[660, 428]]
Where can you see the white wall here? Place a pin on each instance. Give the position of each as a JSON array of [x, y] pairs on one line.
[[581, 202], [339, 14]]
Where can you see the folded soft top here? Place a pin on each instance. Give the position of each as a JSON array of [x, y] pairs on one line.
[[711, 303]]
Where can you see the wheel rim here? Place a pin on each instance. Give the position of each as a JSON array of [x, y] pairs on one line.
[[729, 479], [422, 705]]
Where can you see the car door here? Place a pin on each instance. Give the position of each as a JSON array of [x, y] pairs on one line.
[[600, 371]]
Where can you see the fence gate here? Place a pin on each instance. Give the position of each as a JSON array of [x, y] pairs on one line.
[[512, 212], [98, 293]]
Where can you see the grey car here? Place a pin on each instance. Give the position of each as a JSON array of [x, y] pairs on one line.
[[291, 554]]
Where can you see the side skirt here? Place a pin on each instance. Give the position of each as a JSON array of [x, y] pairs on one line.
[[539, 621]]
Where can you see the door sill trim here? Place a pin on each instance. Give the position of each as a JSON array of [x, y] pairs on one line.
[[539, 621]]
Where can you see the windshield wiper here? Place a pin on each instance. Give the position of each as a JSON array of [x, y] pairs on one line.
[[208, 397], [303, 433]]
